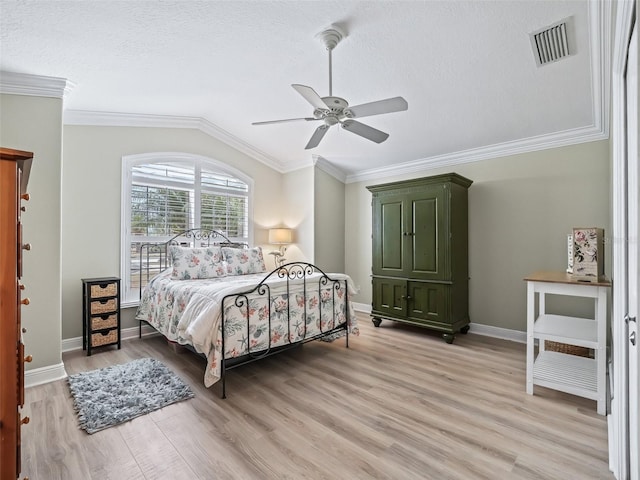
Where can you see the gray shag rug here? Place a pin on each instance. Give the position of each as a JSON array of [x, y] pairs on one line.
[[113, 395]]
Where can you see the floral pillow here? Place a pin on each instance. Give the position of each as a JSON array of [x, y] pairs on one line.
[[241, 261], [194, 263]]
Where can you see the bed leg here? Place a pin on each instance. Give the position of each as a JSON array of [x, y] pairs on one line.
[[139, 328], [224, 390]]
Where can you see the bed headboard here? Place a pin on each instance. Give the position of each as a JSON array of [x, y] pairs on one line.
[[154, 256]]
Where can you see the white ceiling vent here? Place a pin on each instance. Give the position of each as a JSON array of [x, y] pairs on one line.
[[552, 43]]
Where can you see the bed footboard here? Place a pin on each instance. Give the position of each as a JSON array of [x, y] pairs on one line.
[[307, 305]]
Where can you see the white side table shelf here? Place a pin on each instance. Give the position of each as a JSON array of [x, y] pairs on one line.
[[572, 374]]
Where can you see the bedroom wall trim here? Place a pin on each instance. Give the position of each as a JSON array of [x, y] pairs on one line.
[[114, 119], [50, 373], [532, 144], [541, 142], [477, 328], [328, 168], [35, 85], [75, 343]]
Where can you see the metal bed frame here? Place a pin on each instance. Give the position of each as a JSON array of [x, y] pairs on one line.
[[293, 271]]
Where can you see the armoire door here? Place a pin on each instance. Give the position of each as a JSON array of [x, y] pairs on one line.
[[429, 301], [390, 296], [426, 233], [389, 235]]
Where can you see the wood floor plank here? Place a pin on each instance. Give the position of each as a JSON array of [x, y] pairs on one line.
[[399, 403]]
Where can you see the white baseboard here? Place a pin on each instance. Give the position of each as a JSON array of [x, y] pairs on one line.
[[361, 307], [70, 344], [42, 375], [50, 373], [498, 332], [478, 328]]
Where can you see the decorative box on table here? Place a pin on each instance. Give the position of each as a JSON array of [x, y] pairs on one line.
[[588, 254]]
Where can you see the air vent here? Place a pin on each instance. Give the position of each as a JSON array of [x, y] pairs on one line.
[[552, 43]]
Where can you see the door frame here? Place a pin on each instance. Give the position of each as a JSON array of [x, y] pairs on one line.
[[632, 233], [618, 419]]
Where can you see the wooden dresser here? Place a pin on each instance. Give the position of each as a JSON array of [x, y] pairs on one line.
[[14, 175]]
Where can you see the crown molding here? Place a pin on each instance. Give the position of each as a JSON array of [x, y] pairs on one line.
[[117, 119], [329, 168], [532, 144], [600, 23], [13, 83], [216, 132]]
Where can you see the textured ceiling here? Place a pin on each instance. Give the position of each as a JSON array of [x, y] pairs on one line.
[[466, 69]]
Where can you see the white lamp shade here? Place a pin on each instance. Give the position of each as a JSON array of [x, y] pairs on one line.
[[280, 236]]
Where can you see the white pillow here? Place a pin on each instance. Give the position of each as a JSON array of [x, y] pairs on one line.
[[195, 263], [241, 261]]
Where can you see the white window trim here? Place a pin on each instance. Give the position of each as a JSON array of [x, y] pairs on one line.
[[128, 161]]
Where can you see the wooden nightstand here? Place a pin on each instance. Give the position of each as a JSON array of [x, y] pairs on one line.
[[100, 312]]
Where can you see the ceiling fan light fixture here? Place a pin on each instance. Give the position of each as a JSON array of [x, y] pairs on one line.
[[331, 120]]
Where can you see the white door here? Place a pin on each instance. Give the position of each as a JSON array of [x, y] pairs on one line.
[[633, 177], [624, 369]]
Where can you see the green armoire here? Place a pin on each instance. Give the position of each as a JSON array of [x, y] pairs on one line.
[[420, 272]]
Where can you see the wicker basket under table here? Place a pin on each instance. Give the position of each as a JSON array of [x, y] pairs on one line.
[[569, 349]]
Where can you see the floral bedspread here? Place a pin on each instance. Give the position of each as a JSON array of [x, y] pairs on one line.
[[189, 312]]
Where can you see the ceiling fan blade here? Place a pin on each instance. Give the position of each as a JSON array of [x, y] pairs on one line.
[[308, 119], [395, 104], [317, 136], [310, 96], [365, 131]]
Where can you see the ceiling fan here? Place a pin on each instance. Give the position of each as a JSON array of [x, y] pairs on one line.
[[335, 110]]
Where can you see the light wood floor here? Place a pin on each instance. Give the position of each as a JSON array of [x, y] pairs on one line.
[[398, 404]]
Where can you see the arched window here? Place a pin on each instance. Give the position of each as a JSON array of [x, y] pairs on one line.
[[164, 194]]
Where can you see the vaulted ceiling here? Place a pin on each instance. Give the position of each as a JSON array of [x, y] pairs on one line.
[[466, 69]]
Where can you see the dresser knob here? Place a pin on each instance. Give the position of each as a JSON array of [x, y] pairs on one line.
[[25, 197], [28, 359], [25, 420], [24, 330], [26, 246], [25, 301]]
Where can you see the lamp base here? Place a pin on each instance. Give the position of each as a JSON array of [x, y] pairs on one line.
[[278, 256]]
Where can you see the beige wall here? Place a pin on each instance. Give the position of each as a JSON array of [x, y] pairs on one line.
[[297, 213], [35, 124], [91, 200], [329, 224], [521, 208]]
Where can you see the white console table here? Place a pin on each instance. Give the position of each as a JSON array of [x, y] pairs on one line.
[[572, 374]]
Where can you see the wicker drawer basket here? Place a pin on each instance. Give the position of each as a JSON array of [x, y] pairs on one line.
[[107, 306], [104, 290], [105, 321], [569, 349], [98, 339]]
